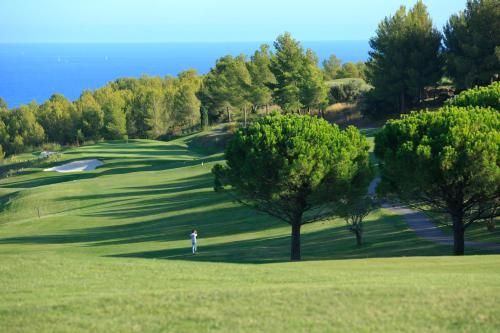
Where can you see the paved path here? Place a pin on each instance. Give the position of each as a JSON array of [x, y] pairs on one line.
[[423, 226]]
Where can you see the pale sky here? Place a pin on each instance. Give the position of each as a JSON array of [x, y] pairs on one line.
[[200, 20]]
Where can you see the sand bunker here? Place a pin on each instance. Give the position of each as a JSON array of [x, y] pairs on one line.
[[77, 166]]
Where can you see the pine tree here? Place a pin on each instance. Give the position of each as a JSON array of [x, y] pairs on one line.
[[472, 44], [405, 58]]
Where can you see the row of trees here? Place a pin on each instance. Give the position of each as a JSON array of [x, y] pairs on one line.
[[152, 107], [406, 57], [289, 77], [148, 107], [301, 169], [407, 54], [334, 69], [446, 162]]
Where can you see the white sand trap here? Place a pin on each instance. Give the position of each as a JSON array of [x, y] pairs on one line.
[[77, 166]]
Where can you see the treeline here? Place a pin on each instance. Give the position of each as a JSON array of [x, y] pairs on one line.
[[333, 69], [443, 161], [289, 77], [152, 107], [148, 107], [408, 55]]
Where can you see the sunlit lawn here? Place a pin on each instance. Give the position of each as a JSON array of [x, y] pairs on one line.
[[109, 250]]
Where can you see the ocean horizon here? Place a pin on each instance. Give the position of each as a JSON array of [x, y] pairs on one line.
[[35, 71]]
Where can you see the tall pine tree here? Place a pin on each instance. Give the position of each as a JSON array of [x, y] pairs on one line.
[[472, 44], [405, 57], [286, 64]]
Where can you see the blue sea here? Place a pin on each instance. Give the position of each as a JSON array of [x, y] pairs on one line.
[[36, 71]]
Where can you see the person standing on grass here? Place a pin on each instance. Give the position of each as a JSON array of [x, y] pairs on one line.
[[193, 236]]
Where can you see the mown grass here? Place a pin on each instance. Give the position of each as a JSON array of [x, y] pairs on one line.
[[60, 292], [477, 231], [108, 250]]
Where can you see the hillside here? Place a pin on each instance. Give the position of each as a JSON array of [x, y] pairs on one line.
[[109, 250]]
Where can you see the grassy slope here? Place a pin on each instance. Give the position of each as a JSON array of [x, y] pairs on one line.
[[110, 252]]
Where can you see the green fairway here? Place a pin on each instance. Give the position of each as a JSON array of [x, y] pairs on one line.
[[109, 250]]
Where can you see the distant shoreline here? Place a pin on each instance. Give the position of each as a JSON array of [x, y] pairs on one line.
[[182, 42], [34, 71]]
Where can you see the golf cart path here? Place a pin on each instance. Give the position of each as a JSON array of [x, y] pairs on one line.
[[423, 226]]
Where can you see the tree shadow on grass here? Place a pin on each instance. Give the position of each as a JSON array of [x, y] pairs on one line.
[[386, 237], [164, 217], [117, 159], [110, 167], [144, 149], [238, 220]]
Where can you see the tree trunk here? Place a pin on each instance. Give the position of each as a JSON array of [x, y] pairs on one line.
[[490, 224], [228, 115], [245, 112], [295, 250], [359, 238], [458, 236]]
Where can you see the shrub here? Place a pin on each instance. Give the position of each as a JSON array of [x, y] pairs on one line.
[[488, 96], [51, 146], [346, 91]]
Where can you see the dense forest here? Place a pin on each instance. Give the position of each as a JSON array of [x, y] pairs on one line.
[[408, 56]]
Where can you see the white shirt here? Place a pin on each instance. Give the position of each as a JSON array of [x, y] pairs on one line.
[[193, 237]]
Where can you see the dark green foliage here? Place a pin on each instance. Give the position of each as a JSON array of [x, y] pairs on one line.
[[313, 90], [148, 107], [295, 168], [59, 117], [19, 129], [353, 208], [204, 118], [91, 116], [286, 64], [472, 40], [480, 96], [186, 106], [112, 104], [226, 86], [299, 81], [405, 58], [445, 161], [331, 67], [218, 172], [347, 91], [261, 77]]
